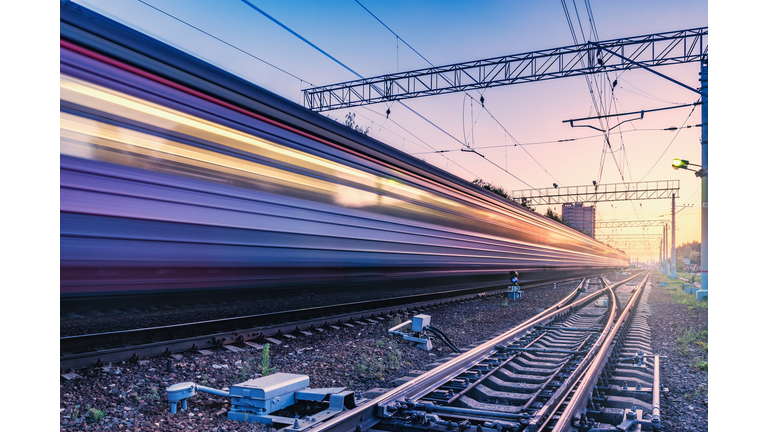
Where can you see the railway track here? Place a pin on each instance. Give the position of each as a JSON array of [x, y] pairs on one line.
[[582, 365], [88, 350]]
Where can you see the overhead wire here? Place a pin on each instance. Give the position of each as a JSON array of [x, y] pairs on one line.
[[591, 88], [466, 94], [607, 147], [223, 41], [288, 29], [670, 143], [303, 39], [268, 63]]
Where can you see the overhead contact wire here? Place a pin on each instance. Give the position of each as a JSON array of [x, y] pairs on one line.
[[467, 94], [224, 42], [360, 76]]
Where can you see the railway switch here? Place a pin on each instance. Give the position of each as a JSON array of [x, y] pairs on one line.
[[416, 334], [256, 400], [420, 324]]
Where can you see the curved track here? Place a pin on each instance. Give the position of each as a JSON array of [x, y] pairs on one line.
[[549, 373]]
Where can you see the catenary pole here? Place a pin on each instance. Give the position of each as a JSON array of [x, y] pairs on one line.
[[673, 263], [704, 180]]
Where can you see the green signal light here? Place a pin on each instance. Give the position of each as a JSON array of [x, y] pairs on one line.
[[679, 163]]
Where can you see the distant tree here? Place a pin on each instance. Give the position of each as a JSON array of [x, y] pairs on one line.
[[498, 190], [524, 202], [691, 251], [552, 215], [350, 123]]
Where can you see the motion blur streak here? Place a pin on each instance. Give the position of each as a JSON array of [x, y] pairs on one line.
[[163, 190]]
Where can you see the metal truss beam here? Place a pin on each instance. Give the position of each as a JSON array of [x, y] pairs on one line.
[[601, 193], [648, 246], [630, 224], [606, 237], [648, 51]]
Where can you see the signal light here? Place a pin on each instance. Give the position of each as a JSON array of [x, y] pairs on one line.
[[513, 276], [679, 163]]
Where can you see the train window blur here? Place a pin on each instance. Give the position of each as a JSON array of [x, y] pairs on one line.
[[285, 171]]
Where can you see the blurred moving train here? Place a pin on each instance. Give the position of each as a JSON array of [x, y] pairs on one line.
[[177, 176]]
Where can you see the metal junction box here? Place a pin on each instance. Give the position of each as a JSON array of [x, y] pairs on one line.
[[267, 394], [419, 322]]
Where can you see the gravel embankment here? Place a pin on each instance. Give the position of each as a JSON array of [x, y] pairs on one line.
[[680, 332], [132, 396]]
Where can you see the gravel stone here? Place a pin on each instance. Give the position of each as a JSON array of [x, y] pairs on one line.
[[132, 396]]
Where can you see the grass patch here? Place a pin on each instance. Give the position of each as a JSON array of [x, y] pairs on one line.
[[675, 289], [694, 345], [96, 414], [377, 365], [395, 321], [692, 339]]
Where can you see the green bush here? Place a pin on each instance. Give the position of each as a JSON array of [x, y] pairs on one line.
[[96, 414]]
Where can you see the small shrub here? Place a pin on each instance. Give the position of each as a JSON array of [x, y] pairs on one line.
[[153, 393], [96, 414], [265, 362], [244, 374], [395, 321]]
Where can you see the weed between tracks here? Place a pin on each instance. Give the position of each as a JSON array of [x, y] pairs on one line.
[[375, 367], [96, 414], [248, 369]]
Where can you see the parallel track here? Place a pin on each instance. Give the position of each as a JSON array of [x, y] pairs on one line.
[[113, 347]]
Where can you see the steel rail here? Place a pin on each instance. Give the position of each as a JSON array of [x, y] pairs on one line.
[[656, 409], [217, 333], [545, 413], [366, 414], [589, 377]]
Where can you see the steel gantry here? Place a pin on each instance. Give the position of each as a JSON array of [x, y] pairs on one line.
[[611, 238], [629, 224], [597, 193], [608, 237], [648, 51]]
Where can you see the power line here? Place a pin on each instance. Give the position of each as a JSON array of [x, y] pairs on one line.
[[673, 128], [223, 41], [300, 37], [393, 32], [467, 94], [670, 143], [357, 74]]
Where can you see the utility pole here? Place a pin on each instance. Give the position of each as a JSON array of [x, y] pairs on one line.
[[704, 291], [661, 250], [666, 251], [674, 259]]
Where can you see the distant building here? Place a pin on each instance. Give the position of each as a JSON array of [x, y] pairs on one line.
[[580, 217]]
